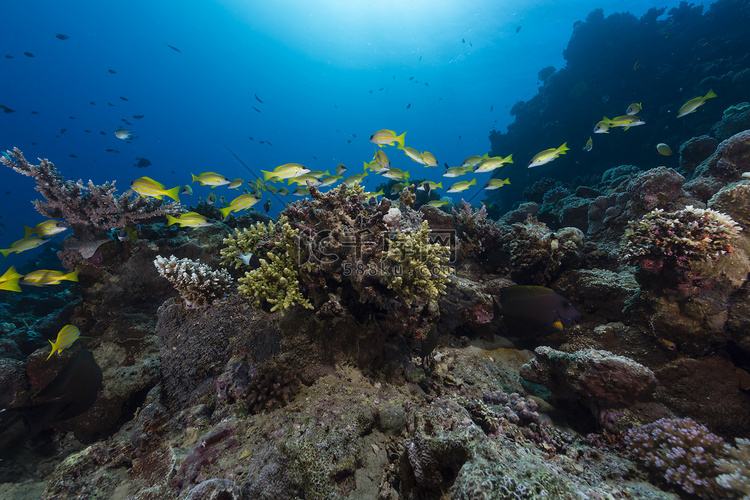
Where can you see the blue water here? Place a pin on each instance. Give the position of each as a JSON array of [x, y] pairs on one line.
[[329, 73]]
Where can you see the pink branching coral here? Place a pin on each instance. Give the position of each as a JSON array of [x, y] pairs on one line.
[[89, 209], [685, 451]]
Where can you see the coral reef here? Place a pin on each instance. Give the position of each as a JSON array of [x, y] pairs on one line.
[[198, 284], [679, 246], [685, 452], [91, 210], [735, 468]]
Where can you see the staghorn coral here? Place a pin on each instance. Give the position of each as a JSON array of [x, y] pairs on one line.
[[686, 452], [246, 241], [678, 246], [91, 210], [415, 268], [277, 280], [198, 284]]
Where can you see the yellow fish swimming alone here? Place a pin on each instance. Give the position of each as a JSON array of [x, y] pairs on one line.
[[694, 103], [548, 155], [65, 338], [46, 229]]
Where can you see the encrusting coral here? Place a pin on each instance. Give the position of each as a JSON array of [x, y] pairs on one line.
[[198, 284], [91, 210]]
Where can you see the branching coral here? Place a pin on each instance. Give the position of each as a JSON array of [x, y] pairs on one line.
[[684, 451], [91, 210], [416, 268], [244, 243], [736, 468], [277, 280], [198, 284], [680, 245]]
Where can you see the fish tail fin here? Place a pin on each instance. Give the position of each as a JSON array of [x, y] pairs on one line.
[[509, 159], [11, 285], [439, 185], [710, 94], [173, 193], [564, 148], [194, 177], [52, 351], [27, 231], [400, 140], [171, 220], [72, 276], [225, 211], [5, 251], [266, 174], [507, 181], [473, 182]]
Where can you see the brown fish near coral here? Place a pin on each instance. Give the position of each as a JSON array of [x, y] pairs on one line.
[[535, 310]]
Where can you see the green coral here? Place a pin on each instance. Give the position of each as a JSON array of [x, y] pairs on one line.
[[276, 281], [246, 241], [415, 268]]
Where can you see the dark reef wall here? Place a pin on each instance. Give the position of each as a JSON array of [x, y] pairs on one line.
[[659, 60]]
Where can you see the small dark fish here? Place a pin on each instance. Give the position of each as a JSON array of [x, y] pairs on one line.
[[112, 71], [262, 142], [258, 99], [518, 28], [63, 130], [6, 109], [29, 54], [394, 77], [420, 58], [348, 141], [268, 142], [92, 103], [315, 157], [463, 40], [34, 112], [408, 106], [427, 84], [123, 98], [380, 89], [143, 163], [173, 48], [251, 138], [411, 78], [336, 106], [267, 205], [101, 132], [110, 150], [61, 36], [73, 156], [446, 165], [459, 137], [256, 109], [138, 117], [71, 118], [491, 108], [470, 45], [429, 342], [87, 131], [354, 135], [110, 104], [371, 91], [8, 56]]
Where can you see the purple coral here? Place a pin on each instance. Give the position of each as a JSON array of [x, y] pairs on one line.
[[684, 451]]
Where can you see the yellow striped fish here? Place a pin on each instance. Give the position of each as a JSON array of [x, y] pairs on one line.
[[9, 280], [493, 163], [413, 154], [146, 186], [24, 244], [548, 155], [47, 228], [242, 202], [211, 179], [42, 277], [285, 171], [65, 338], [461, 186], [694, 103], [387, 137], [428, 159], [189, 219]]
